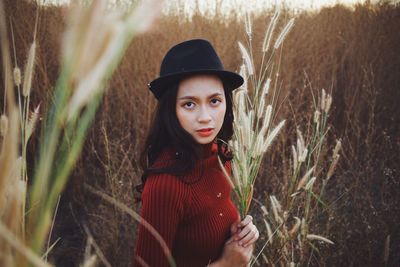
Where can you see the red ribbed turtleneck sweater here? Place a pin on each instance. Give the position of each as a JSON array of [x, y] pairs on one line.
[[193, 216]]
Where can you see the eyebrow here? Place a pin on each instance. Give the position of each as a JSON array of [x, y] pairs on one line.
[[195, 98]]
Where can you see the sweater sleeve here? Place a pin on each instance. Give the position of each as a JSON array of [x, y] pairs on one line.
[[163, 201]]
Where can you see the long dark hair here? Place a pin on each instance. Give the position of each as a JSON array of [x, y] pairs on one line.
[[166, 131]]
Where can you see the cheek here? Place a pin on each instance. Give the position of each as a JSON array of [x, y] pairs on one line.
[[183, 118], [221, 114]]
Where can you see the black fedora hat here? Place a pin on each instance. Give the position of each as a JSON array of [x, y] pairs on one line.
[[191, 57]]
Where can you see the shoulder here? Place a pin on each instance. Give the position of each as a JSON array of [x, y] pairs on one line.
[[164, 186], [164, 179], [164, 192], [166, 158]]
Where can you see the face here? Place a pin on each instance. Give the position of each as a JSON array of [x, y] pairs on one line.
[[201, 107]]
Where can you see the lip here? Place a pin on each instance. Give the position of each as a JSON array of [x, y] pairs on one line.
[[205, 132]]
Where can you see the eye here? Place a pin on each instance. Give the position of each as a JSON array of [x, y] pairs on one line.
[[215, 101], [188, 105]]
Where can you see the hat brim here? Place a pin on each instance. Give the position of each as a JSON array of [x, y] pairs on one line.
[[229, 79]]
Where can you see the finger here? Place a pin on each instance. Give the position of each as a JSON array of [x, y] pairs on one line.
[[251, 234], [234, 228], [249, 250], [230, 240], [252, 241], [242, 233], [246, 221], [246, 229], [246, 240]]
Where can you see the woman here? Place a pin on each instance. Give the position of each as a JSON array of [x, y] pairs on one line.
[[186, 197]]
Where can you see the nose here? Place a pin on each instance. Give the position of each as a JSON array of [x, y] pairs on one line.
[[204, 115]]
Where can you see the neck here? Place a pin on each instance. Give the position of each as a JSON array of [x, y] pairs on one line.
[[207, 149]]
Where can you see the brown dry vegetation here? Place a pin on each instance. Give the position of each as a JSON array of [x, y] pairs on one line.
[[353, 54]]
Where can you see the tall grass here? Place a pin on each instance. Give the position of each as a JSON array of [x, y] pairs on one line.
[[88, 59], [353, 53], [253, 113], [288, 223], [254, 109]]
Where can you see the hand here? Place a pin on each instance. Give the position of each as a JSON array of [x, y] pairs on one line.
[[245, 232], [239, 248], [234, 255]]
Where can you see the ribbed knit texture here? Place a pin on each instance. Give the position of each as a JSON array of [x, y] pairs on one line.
[[193, 213]]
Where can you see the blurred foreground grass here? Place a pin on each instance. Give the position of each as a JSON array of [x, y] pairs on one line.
[[353, 54]]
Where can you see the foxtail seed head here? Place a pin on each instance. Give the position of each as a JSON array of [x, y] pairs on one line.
[[3, 125], [28, 75], [17, 76], [296, 227], [243, 73], [337, 148], [332, 168], [328, 103], [320, 238], [261, 107], [304, 228], [316, 116], [323, 100], [270, 30], [266, 120], [304, 179], [247, 59], [274, 208], [295, 158], [310, 183], [273, 134], [266, 86], [303, 155], [269, 232], [264, 210], [283, 34], [247, 24]]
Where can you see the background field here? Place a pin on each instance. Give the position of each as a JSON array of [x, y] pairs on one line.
[[353, 53]]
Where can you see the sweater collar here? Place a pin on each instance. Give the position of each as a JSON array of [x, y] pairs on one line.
[[209, 149]]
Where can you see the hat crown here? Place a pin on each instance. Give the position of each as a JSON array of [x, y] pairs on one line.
[[192, 55]]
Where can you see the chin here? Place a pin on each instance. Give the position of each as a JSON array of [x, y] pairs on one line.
[[205, 140]]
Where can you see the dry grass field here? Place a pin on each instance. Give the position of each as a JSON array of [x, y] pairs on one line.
[[354, 54]]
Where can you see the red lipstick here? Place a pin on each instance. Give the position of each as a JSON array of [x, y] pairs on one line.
[[205, 132]]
